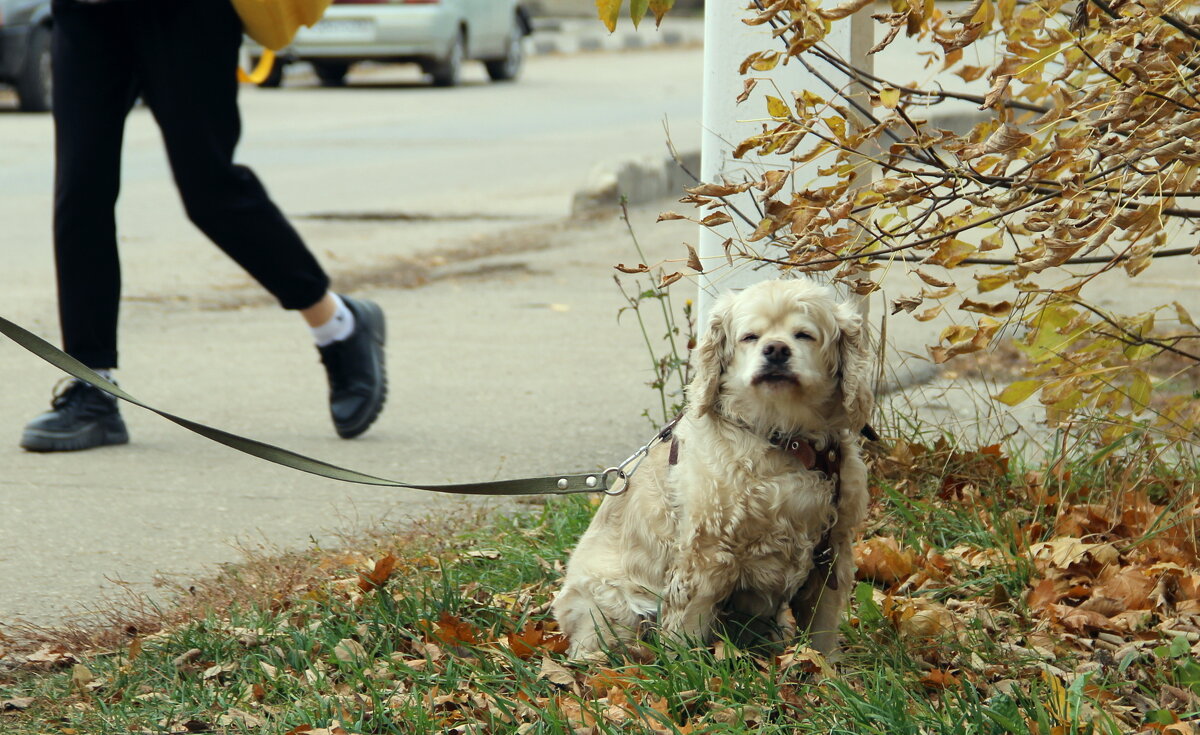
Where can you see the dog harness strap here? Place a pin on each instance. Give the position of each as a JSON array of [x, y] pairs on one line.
[[826, 546], [828, 461]]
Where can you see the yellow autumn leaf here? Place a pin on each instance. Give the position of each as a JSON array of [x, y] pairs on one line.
[[637, 10], [1139, 391], [882, 560], [933, 280], [811, 99], [980, 307], [951, 252], [1057, 699], [777, 108], [837, 126], [1018, 392], [1184, 316], [765, 61], [81, 676], [956, 333], [660, 8], [608, 11], [867, 197], [1137, 353], [991, 283], [889, 97], [988, 15], [929, 313]]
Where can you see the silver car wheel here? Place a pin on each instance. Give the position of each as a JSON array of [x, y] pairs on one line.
[[508, 68], [35, 83], [446, 72]]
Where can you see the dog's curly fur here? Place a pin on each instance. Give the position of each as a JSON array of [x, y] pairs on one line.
[[729, 529]]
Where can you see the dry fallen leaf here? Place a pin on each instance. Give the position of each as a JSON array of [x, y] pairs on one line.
[[187, 657], [454, 631], [556, 673], [379, 575], [533, 638], [1061, 553], [350, 651], [218, 670], [939, 679], [16, 703], [239, 719], [808, 660], [881, 559], [53, 655], [920, 618], [81, 676]]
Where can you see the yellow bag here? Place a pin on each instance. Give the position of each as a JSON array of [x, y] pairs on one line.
[[258, 75], [273, 23]]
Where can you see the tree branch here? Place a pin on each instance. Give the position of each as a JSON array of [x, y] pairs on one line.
[[940, 95], [1167, 18]]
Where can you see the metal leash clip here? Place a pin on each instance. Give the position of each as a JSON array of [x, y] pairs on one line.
[[624, 471]]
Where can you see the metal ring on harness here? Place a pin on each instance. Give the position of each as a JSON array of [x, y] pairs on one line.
[[621, 475]]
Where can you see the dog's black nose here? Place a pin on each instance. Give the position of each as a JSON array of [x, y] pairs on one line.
[[777, 352]]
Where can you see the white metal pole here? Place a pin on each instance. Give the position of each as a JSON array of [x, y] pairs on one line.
[[727, 42]]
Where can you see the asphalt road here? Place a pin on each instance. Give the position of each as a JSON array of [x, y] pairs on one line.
[[507, 358]]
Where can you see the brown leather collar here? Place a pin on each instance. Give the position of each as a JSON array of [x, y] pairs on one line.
[[828, 460]]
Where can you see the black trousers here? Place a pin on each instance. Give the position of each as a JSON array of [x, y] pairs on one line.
[[181, 57]]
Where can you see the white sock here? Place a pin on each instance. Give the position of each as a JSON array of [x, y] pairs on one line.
[[339, 327]]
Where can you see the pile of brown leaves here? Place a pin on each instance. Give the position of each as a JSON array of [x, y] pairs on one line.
[[1112, 583]]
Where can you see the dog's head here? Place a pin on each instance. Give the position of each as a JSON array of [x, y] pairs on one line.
[[784, 355]]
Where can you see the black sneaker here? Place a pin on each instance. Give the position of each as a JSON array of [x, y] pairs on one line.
[[81, 417], [357, 377]]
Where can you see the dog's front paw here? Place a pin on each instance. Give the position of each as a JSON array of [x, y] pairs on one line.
[[785, 623]]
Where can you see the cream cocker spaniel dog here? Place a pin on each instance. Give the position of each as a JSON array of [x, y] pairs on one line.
[[747, 509]]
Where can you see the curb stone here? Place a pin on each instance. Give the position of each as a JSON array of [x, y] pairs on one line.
[[639, 180], [646, 179], [571, 35]]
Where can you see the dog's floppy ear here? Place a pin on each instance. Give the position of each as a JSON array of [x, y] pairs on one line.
[[858, 400], [712, 356]]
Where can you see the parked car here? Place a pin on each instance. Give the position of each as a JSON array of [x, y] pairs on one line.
[[437, 34], [25, 51]]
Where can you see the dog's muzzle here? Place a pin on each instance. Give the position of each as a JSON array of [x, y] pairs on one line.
[[775, 375], [775, 368]]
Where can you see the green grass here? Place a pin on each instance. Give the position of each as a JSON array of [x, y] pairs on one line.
[[293, 645]]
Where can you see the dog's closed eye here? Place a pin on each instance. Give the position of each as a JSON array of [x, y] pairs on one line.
[[750, 337], [804, 336]]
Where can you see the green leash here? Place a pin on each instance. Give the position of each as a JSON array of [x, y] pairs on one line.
[[550, 484]]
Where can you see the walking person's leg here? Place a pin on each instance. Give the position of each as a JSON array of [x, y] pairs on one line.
[[94, 87], [187, 54]]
